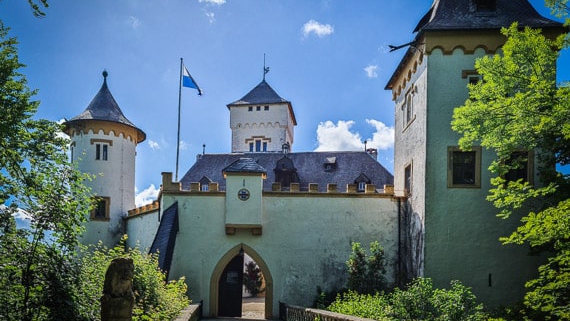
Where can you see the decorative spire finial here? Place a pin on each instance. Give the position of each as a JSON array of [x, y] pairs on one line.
[[105, 74]]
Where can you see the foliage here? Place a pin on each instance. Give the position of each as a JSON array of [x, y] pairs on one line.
[[155, 299], [419, 302], [253, 279], [366, 273], [518, 106], [36, 181], [369, 306]]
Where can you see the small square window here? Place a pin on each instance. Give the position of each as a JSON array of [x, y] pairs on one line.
[[258, 108], [464, 167], [205, 187], [249, 108], [520, 165], [266, 108], [101, 209]]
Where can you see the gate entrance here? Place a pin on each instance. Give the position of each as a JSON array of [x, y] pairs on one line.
[[231, 288], [226, 291]]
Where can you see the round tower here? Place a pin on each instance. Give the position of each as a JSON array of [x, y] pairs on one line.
[[103, 143]]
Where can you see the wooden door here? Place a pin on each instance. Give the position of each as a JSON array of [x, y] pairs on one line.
[[230, 289]]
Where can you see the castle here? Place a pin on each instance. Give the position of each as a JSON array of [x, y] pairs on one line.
[[296, 213]]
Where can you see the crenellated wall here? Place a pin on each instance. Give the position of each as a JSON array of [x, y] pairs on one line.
[[302, 241]]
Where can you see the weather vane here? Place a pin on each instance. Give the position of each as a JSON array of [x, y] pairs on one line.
[[265, 69]]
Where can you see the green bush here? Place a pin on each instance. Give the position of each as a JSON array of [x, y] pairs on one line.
[[155, 299], [366, 274], [420, 301]]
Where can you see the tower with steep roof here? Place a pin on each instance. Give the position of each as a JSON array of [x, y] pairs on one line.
[[261, 121], [103, 143], [454, 233]]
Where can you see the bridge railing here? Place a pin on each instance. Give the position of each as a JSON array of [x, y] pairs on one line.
[[296, 313]]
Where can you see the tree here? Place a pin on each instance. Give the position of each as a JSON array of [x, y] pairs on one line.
[[366, 274], [37, 180], [253, 279], [519, 107]]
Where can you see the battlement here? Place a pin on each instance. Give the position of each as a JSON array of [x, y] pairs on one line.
[[154, 206]]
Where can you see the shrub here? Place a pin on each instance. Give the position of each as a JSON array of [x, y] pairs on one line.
[[420, 301], [366, 273]]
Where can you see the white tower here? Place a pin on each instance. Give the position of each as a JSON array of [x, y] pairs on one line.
[[103, 143], [261, 121]]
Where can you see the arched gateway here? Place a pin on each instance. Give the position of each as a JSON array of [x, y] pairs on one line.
[[217, 283]]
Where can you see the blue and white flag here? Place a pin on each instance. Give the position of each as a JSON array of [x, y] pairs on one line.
[[188, 81]]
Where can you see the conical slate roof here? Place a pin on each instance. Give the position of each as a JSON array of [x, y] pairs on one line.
[[104, 107], [261, 94], [462, 14]]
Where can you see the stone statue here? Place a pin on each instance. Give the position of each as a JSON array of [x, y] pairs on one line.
[[118, 298]]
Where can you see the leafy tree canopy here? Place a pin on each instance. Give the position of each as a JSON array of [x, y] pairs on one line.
[[37, 181], [519, 106]]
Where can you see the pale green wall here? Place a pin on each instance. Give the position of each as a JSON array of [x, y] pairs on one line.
[[462, 231], [142, 229], [305, 242]]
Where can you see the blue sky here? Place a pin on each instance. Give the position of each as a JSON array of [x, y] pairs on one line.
[[330, 58]]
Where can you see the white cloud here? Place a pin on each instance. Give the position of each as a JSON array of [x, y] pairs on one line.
[[153, 145], [218, 2], [317, 28], [147, 196], [331, 137], [383, 137], [183, 145], [371, 71], [211, 16], [134, 22]]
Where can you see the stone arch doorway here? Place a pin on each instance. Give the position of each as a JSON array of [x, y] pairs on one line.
[[221, 267]]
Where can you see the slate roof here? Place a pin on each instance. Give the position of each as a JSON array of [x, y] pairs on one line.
[[461, 14], [165, 237], [453, 15], [104, 107], [310, 168], [261, 94], [244, 165]]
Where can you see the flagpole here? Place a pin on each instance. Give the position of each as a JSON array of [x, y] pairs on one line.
[[178, 133]]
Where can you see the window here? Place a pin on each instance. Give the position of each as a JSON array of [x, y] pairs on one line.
[[408, 180], [463, 167], [251, 147], [264, 146], [408, 108], [361, 182], [101, 209], [250, 108], [520, 165], [257, 145], [266, 108], [204, 187], [101, 151], [474, 79], [258, 108]]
